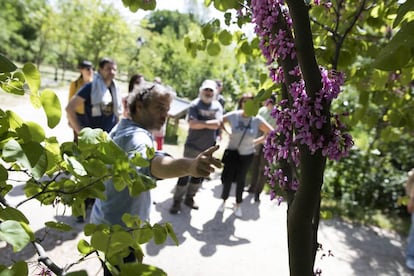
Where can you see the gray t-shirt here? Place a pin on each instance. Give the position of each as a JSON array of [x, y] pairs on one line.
[[131, 138], [239, 124], [202, 139]]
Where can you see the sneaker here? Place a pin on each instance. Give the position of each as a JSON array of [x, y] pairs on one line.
[[410, 263], [238, 212], [176, 207], [190, 203], [221, 207]]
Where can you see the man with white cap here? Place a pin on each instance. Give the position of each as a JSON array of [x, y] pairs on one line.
[[204, 118]]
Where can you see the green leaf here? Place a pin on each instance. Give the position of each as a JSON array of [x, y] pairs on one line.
[[223, 5], [135, 5], [148, 5], [225, 37], [10, 213], [84, 247], [33, 152], [89, 136], [139, 161], [241, 57], [19, 268], [100, 241], [171, 233], [13, 233], [4, 122], [213, 48], [12, 151], [208, 31], [326, 214], [75, 167], [251, 107], [31, 188], [4, 174], [60, 226], [14, 120], [95, 167], [14, 83], [245, 48], [51, 105], [31, 131], [141, 269], [37, 157], [53, 154], [32, 77], [402, 11], [143, 235], [89, 229], [160, 234], [6, 65], [395, 55], [392, 57]]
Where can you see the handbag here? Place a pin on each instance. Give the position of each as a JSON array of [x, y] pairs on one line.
[[232, 155]]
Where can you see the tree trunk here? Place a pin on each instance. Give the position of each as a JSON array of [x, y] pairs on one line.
[[303, 215], [303, 212]]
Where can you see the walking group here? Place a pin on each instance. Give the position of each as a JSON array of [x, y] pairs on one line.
[[138, 121]]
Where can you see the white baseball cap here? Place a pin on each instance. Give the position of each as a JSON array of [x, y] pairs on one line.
[[209, 84]]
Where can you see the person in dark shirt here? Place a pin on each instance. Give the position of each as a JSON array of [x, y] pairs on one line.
[[204, 118]]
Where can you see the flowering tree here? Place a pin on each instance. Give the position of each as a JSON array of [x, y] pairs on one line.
[[306, 133]]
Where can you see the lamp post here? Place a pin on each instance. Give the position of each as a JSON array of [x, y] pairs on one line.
[[139, 43]]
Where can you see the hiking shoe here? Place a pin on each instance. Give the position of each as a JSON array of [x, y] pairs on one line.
[[190, 203], [238, 212], [221, 207], [176, 207]]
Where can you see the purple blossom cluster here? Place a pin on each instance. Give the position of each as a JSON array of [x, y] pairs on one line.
[[265, 17], [304, 121]]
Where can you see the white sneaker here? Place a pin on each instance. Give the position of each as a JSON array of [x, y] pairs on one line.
[[221, 207], [238, 212]]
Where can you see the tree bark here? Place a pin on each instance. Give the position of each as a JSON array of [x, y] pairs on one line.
[[303, 213]]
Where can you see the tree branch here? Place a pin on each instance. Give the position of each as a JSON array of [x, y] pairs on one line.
[[43, 258]]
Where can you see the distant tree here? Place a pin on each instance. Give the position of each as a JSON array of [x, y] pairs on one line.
[[174, 22], [20, 23]]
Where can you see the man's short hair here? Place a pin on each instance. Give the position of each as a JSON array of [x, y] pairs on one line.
[[104, 61]]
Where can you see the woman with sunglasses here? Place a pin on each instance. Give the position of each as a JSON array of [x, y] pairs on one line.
[[86, 76]]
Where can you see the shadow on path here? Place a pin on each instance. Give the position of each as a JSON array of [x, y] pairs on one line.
[[383, 251]]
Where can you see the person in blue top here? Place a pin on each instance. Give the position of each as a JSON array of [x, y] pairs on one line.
[[148, 108], [204, 118], [243, 138], [101, 100]]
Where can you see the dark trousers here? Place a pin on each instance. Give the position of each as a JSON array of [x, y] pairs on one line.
[[258, 178], [188, 185], [235, 172]]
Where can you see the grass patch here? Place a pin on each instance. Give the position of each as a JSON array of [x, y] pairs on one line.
[[382, 219]]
